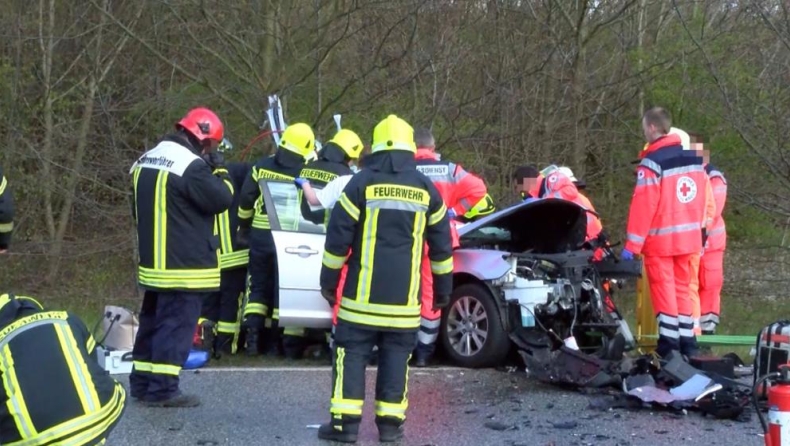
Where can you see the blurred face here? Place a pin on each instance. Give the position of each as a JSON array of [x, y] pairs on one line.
[[209, 145], [701, 152], [525, 185]]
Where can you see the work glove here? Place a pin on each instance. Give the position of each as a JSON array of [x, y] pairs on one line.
[[243, 237], [214, 159], [626, 255], [300, 182], [440, 301], [451, 213], [329, 295]]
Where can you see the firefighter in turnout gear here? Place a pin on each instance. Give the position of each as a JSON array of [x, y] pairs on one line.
[[6, 213], [176, 198], [54, 391], [460, 191], [384, 217], [665, 224], [219, 323], [334, 160], [296, 144]]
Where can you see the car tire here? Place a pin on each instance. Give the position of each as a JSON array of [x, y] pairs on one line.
[[495, 345]]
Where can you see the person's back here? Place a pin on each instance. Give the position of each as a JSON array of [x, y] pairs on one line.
[[385, 215], [558, 184], [53, 391]]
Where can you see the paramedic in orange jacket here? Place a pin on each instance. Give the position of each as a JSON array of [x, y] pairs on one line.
[[460, 191], [711, 271], [665, 224], [554, 183]]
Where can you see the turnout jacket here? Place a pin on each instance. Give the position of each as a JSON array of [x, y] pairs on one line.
[[231, 254], [176, 199], [53, 391], [667, 211], [385, 215], [329, 165], [6, 212], [284, 166]]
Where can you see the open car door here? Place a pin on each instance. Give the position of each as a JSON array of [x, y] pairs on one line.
[[300, 250]]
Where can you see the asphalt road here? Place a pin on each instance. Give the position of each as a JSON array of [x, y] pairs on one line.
[[447, 407]]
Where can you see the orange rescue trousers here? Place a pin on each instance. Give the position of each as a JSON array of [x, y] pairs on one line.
[[711, 280], [669, 279]]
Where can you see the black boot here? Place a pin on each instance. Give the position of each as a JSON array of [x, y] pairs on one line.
[[251, 348], [389, 432], [423, 354], [338, 432], [223, 344]]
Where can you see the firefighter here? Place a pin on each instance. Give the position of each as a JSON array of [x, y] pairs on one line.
[[53, 391], [334, 160], [383, 216], [6, 214], [296, 144], [176, 198], [665, 225], [711, 270], [460, 191], [219, 321]]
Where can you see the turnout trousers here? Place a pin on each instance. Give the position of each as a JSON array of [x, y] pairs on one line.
[[352, 349], [164, 338], [222, 308], [711, 281], [669, 279]]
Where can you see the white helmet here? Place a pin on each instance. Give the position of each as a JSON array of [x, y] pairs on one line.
[[568, 173], [685, 139]]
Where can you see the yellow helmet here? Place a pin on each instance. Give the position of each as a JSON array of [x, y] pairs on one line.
[[483, 207], [349, 142], [298, 138], [393, 133]]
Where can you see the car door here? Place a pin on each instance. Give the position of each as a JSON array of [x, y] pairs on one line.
[[300, 249]]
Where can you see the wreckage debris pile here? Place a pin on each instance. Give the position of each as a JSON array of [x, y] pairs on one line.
[[647, 381]]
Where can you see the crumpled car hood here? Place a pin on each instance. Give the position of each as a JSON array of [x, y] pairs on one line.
[[550, 225]]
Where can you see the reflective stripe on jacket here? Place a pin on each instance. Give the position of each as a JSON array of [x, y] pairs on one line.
[[176, 199], [385, 214], [717, 232], [668, 205]]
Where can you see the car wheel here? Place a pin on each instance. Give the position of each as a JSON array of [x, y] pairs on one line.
[[471, 331]]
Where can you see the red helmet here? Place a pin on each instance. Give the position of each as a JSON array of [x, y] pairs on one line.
[[203, 124]]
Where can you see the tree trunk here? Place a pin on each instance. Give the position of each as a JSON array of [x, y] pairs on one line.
[[47, 48]]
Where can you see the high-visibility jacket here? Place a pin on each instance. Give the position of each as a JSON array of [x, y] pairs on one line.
[[667, 211], [384, 217], [459, 189], [717, 232], [6, 212], [226, 224], [53, 391], [176, 199], [557, 185], [330, 165], [284, 165]]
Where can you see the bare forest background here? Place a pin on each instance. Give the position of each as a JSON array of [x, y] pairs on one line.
[[87, 86]]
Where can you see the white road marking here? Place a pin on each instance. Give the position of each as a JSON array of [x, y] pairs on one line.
[[310, 369]]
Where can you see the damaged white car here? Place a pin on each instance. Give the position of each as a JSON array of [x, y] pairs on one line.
[[524, 268]]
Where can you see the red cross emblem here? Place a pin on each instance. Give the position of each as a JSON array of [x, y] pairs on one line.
[[686, 189]]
